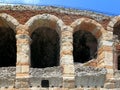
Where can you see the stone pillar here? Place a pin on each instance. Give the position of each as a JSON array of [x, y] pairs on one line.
[[23, 57], [105, 53], [66, 57], [105, 57]]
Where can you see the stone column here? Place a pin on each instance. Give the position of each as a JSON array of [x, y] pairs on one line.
[[105, 57], [66, 57], [23, 56], [105, 53]]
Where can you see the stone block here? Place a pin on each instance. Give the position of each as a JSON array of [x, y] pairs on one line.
[[68, 70], [106, 43], [18, 69], [66, 52], [66, 59], [101, 56], [66, 46], [25, 68], [66, 34], [110, 71], [109, 86], [68, 82], [22, 83], [109, 75]]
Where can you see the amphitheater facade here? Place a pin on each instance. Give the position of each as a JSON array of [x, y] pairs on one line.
[[62, 66]]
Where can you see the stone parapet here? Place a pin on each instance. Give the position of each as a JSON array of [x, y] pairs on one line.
[[86, 76]]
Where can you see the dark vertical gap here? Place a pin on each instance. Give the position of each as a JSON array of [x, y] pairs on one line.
[[84, 46], [118, 62], [44, 48], [116, 31], [7, 47]]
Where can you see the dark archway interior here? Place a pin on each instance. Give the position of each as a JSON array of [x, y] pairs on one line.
[[118, 62], [84, 46], [7, 47], [45, 48], [116, 30]]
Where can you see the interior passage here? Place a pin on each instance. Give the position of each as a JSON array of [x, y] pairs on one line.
[[7, 47], [45, 48], [84, 46]]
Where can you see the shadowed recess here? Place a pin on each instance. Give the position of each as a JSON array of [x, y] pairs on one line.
[[7, 47], [44, 48], [118, 62], [116, 29], [84, 46]]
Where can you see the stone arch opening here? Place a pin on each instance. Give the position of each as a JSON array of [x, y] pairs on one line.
[[86, 36], [8, 25], [84, 46], [7, 47], [49, 27], [45, 48], [116, 29]]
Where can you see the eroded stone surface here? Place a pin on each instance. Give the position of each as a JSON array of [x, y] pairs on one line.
[[86, 76], [7, 76], [52, 74]]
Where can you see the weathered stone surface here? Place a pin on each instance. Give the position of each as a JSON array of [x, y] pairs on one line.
[[22, 83], [52, 74], [68, 75], [9, 20], [68, 82], [89, 77], [7, 76]]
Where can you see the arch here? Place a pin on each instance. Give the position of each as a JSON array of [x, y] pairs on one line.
[[114, 26], [89, 25], [114, 22], [45, 25], [84, 46], [8, 21], [86, 36], [45, 20]]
